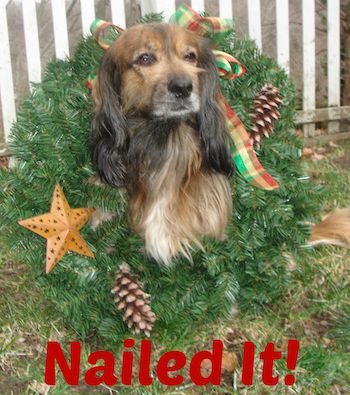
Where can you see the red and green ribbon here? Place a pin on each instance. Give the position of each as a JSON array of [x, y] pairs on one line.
[[204, 26], [105, 33], [229, 68], [243, 153]]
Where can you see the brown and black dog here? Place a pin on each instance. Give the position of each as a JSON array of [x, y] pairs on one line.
[[160, 132]]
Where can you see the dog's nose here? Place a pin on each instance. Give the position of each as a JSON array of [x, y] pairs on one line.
[[180, 87]]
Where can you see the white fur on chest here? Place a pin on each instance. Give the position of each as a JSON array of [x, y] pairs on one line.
[[183, 203]]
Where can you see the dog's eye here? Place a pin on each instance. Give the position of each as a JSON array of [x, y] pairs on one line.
[[146, 59], [190, 57]]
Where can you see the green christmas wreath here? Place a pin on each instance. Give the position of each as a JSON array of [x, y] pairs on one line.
[[50, 142]]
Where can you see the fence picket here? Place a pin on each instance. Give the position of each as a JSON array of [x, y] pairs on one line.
[[254, 21], [282, 30], [31, 37], [6, 82], [333, 23], [118, 13], [60, 30], [225, 9], [309, 69], [333, 55], [167, 7], [87, 15], [198, 5]]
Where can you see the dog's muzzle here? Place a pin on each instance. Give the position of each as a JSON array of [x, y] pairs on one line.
[[177, 100]]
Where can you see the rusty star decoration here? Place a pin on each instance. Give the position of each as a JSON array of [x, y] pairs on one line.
[[61, 228]]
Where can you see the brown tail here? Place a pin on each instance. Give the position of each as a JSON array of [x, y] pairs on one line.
[[334, 229]]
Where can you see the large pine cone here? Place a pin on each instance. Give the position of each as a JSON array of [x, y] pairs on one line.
[[132, 301], [265, 112]]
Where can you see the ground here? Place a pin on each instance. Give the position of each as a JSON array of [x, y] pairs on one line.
[[316, 312]]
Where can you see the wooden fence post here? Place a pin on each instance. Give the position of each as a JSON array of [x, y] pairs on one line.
[[31, 37], [198, 5], [118, 13], [310, 113], [6, 82], [309, 55], [282, 31], [60, 30], [167, 7], [87, 8], [254, 21], [333, 57], [225, 9]]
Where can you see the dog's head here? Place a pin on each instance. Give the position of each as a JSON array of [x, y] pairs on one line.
[[163, 73]]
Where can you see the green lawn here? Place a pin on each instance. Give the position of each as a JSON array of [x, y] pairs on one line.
[[316, 311]]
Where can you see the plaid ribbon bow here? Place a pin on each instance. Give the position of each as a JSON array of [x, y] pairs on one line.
[[242, 150]]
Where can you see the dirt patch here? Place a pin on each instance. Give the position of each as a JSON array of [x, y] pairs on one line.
[[343, 162]]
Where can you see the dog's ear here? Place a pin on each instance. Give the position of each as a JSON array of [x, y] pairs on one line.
[[110, 128], [212, 124]]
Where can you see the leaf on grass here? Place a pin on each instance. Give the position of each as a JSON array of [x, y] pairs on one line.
[[334, 229], [39, 388]]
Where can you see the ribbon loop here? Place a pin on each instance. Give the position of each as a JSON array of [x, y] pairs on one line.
[[186, 17], [105, 33], [228, 71]]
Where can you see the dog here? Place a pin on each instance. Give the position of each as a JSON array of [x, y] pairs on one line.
[[160, 132], [334, 229]]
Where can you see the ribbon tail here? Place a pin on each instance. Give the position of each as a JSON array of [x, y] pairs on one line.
[[244, 156]]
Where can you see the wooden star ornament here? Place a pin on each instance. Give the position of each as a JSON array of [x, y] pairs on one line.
[[61, 228]]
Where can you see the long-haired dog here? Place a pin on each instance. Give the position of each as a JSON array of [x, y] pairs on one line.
[[160, 133]]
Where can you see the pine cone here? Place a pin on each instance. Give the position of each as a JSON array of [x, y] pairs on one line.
[[266, 104], [133, 301], [4, 162]]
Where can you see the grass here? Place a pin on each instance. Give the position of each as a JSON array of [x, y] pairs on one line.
[[316, 311]]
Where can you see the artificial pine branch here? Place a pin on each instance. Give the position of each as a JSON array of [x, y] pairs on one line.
[[152, 17]]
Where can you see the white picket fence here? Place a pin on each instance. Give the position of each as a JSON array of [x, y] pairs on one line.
[[308, 116]]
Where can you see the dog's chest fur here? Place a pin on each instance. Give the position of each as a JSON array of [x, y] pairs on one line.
[[176, 203]]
